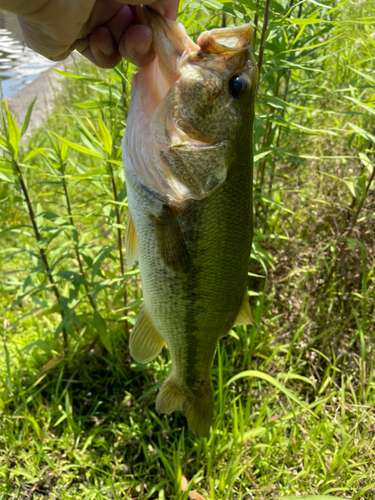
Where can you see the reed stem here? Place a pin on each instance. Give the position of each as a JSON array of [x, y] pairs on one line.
[[264, 29], [119, 241], [76, 246], [38, 238], [342, 249]]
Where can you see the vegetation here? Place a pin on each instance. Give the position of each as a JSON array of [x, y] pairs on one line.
[[294, 398]]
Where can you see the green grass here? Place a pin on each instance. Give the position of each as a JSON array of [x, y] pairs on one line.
[[294, 398]]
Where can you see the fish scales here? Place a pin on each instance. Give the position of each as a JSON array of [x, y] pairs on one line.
[[194, 247]]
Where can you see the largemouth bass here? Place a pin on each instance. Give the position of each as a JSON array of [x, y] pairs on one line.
[[188, 159]]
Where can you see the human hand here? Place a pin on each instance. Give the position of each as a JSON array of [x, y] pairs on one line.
[[101, 30]]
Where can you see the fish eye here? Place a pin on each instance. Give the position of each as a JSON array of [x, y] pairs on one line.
[[237, 86]]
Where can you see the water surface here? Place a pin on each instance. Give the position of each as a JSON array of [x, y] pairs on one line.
[[19, 65]]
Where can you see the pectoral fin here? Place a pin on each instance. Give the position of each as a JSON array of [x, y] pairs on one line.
[[145, 341], [171, 244], [244, 316], [131, 242]]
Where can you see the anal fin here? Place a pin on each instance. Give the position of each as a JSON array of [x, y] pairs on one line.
[[131, 242], [245, 317], [145, 341]]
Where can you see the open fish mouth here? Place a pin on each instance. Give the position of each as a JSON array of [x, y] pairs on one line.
[[171, 148]]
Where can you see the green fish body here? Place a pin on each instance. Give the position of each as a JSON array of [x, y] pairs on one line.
[[188, 162]]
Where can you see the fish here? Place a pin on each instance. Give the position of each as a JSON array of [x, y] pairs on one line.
[[188, 161]]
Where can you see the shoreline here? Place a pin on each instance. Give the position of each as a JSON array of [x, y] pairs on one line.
[[43, 88]]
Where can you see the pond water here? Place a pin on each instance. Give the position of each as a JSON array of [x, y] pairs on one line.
[[19, 65]]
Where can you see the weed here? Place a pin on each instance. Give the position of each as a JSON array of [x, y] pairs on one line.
[[294, 399]]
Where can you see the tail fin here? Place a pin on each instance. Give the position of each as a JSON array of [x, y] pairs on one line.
[[197, 408]]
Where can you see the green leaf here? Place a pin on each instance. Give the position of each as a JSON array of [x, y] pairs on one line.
[[363, 490], [9, 376], [370, 109], [310, 20], [33, 423], [250, 4], [51, 364], [94, 172], [86, 105], [214, 4], [364, 75], [105, 136], [251, 434], [321, 44], [78, 147], [104, 253], [28, 116], [4, 144], [366, 162], [363, 133], [115, 162], [352, 187], [14, 199], [73, 277], [259, 156], [101, 328], [120, 293], [32, 153], [271, 380], [63, 151], [77, 77], [295, 376], [311, 497], [6, 167], [51, 310], [13, 130]]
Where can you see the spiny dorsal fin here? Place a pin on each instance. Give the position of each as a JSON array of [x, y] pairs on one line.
[[145, 341], [245, 317], [131, 242]]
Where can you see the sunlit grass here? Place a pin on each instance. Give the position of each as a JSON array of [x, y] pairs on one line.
[[294, 398]]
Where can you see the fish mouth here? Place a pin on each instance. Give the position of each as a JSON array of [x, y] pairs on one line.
[[173, 47], [226, 40], [170, 41], [159, 137]]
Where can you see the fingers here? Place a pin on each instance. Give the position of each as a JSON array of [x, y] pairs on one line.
[[112, 31], [167, 8], [118, 38], [101, 45], [100, 48], [136, 45]]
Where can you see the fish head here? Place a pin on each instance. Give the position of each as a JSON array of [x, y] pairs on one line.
[[216, 89], [196, 106]]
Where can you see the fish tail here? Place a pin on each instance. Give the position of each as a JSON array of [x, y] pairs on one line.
[[197, 408]]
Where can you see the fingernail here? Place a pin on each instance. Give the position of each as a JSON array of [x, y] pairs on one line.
[[143, 47]]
